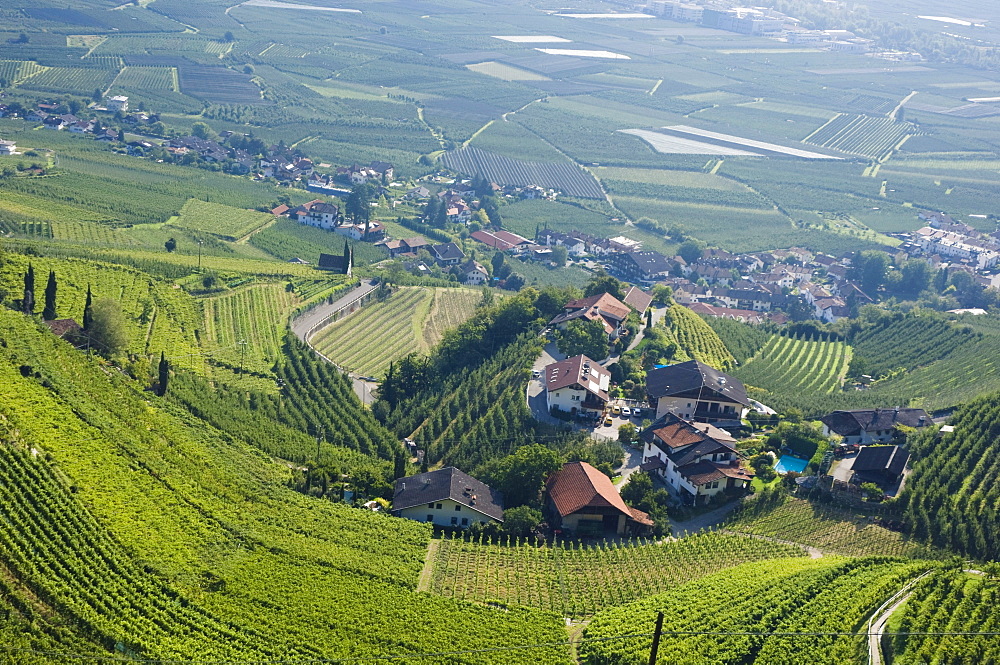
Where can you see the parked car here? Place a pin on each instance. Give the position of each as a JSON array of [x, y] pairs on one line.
[[608, 422], [626, 412], [535, 373], [636, 411], [616, 410]]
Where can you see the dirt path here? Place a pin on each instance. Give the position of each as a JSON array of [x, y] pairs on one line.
[[814, 552], [427, 574]]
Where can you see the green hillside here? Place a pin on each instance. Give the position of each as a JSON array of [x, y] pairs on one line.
[[696, 338], [207, 525], [785, 595]]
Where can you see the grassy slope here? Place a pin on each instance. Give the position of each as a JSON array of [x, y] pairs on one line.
[[212, 517]]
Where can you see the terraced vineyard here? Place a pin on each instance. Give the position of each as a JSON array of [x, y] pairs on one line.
[[255, 315], [19, 71], [733, 612], [792, 365], [577, 580], [157, 317], [78, 80], [697, 338], [951, 601], [227, 222], [826, 528], [412, 320], [860, 134]]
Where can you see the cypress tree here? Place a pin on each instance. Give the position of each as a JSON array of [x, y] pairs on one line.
[[28, 302], [88, 313], [49, 313], [164, 375]]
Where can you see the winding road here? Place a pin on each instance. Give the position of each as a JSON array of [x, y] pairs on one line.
[[307, 323]]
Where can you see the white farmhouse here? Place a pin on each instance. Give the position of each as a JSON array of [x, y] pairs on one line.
[[447, 498], [576, 384]]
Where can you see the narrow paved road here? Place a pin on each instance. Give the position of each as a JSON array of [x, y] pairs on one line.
[[306, 324], [876, 623]]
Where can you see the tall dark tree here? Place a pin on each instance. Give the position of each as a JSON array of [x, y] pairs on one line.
[[88, 310], [49, 313], [164, 375], [28, 301], [348, 258]]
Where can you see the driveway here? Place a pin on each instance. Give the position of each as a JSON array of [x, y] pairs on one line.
[[633, 458], [841, 469], [535, 392]]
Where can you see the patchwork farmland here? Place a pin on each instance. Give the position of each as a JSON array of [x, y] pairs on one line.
[[567, 178]]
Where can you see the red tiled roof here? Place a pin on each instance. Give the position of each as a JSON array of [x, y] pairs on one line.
[[606, 302], [491, 240], [579, 485], [638, 299]]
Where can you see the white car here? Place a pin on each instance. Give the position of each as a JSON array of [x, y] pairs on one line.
[[626, 412], [636, 412]]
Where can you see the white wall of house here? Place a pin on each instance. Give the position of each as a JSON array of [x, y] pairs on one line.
[[475, 278], [865, 438], [572, 522], [320, 220], [445, 513], [685, 407], [567, 399]]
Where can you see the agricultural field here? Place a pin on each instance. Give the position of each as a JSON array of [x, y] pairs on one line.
[[696, 338], [829, 529], [820, 597], [223, 221], [157, 317], [76, 80], [578, 580], [411, 320], [861, 135], [567, 178], [506, 72], [147, 78], [246, 326], [797, 366], [198, 492]]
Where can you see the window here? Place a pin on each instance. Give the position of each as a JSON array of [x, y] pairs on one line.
[[430, 505], [465, 521], [430, 518], [714, 485], [454, 521], [458, 508], [439, 506]]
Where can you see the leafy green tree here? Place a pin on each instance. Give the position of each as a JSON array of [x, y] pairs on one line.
[[229, 36], [626, 434], [691, 250], [637, 487], [586, 337], [170, 245], [28, 300], [521, 521], [559, 255], [107, 332], [602, 282], [164, 375], [358, 205], [521, 476], [662, 295], [49, 311], [97, 96], [203, 131], [870, 269]]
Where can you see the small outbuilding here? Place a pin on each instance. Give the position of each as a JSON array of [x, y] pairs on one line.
[[582, 500]]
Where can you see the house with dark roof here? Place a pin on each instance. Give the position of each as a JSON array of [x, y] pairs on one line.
[[317, 213], [603, 307], [639, 267], [865, 426], [695, 460], [448, 254], [695, 391], [882, 465], [582, 500], [341, 264], [576, 384], [446, 497]]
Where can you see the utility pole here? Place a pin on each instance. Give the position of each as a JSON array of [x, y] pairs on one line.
[[199, 254], [656, 638], [320, 435]]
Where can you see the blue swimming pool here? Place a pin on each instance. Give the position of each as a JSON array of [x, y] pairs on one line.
[[788, 463]]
